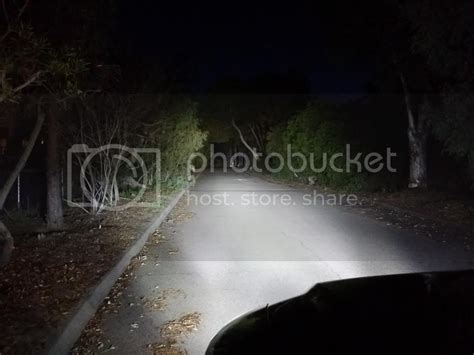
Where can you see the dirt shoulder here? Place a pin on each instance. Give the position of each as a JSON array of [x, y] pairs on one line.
[[448, 220], [438, 215], [93, 340], [49, 273]]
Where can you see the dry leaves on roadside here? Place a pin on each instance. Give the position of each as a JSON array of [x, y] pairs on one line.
[[48, 275], [169, 347], [159, 303], [182, 326]]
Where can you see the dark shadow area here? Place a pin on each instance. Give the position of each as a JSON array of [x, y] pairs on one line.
[[427, 313]]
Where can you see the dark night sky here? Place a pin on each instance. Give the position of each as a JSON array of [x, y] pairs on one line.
[[237, 41]]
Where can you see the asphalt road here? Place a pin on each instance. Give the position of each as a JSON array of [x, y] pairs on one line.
[[246, 242]]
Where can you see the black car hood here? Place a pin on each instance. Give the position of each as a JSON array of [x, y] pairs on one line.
[[422, 313]]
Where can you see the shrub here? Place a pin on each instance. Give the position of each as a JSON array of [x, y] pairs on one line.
[[317, 130], [178, 136]]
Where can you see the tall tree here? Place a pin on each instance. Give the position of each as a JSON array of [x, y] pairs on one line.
[[30, 64], [73, 28], [16, 75], [381, 33], [418, 124], [443, 34], [54, 203]]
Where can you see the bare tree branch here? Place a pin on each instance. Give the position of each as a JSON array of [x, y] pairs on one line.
[[17, 18], [8, 243], [16, 90], [411, 118], [254, 153]]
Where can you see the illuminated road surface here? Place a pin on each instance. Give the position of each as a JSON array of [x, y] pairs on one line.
[[226, 260]]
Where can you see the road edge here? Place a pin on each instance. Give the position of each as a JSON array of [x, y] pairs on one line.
[[368, 201], [88, 306]]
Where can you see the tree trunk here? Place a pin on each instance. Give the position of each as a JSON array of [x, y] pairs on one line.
[[417, 151], [417, 137], [6, 239], [6, 245], [54, 215]]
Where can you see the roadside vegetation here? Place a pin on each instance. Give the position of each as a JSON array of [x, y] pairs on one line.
[[418, 102], [68, 79], [61, 86]]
